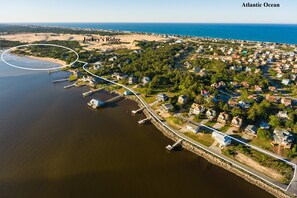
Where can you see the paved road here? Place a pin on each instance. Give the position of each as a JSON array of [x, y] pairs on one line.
[[185, 138]]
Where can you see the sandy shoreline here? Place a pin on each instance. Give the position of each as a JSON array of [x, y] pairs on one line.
[[52, 60]]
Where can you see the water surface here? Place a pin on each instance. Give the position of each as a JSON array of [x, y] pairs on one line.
[[53, 145]]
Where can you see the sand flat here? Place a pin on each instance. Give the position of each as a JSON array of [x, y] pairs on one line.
[[127, 41]]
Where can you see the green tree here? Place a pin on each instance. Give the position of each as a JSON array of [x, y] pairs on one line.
[[263, 134], [274, 121]]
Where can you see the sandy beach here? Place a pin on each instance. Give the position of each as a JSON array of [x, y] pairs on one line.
[[56, 61]]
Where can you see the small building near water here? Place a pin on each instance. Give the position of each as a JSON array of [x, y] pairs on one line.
[[127, 93], [95, 103]]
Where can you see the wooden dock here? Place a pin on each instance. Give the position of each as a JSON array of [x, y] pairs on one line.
[[53, 70], [170, 147], [69, 86], [92, 91], [114, 98], [60, 80], [137, 111], [144, 120]]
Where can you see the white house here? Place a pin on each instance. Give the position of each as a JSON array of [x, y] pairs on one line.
[[286, 81], [211, 114], [196, 109], [283, 138], [94, 103], [145, 80], [182, 99], [193, 128], [222, 139]]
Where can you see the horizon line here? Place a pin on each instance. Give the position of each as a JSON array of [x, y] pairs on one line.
[[252, 23]]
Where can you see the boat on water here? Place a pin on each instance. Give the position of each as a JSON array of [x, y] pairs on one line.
[[95, 103]]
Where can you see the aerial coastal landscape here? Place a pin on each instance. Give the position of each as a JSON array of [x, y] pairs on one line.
[[148, 109]]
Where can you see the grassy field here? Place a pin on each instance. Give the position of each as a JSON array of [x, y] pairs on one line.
[[210, 123], [175, 122], [72, 78], [204, 139], [262, 144], [225, 128]]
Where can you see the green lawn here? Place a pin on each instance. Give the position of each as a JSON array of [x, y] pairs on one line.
[[224, 128], [72, 78], [210, 123], [265, 144], [175, 122], [204, 139]]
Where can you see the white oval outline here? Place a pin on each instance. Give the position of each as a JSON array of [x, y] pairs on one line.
[[39, 44]]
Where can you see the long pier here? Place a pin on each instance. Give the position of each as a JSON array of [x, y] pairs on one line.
[[60, 80], [114, 98], [170, 147], [69, 86], [138, 110], [92, 91], [53, 70], [144, 120]]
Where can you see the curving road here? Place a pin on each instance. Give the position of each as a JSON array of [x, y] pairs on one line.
[[187, 139]]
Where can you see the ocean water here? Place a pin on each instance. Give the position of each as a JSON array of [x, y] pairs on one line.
[[280, 33]]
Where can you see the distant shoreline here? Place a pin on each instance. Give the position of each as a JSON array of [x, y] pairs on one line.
[[210, 35]]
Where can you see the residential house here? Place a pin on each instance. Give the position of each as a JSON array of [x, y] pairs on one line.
[[94, 103], [245, 84], [271, 98], [97, 66], [123, 77], [279, 74], [193, 128], [236, 122], [167, 107], [203, 72], [222, 139], [204, 92], [272, 88], [283, 115], [244, 105], [236, 68], [196, 109], [251, 130], [264, 125], [258, 88], [223, 118], [76, 73], [112, 58], [283, 138], [211, 114], [182, 99], [132, 80], [161, 97], [232, 102], [127, 93], [145, 80], [286, 81], [196, 69], [287, 102]]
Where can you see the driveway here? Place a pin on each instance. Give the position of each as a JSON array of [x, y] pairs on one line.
[[217, 125]]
